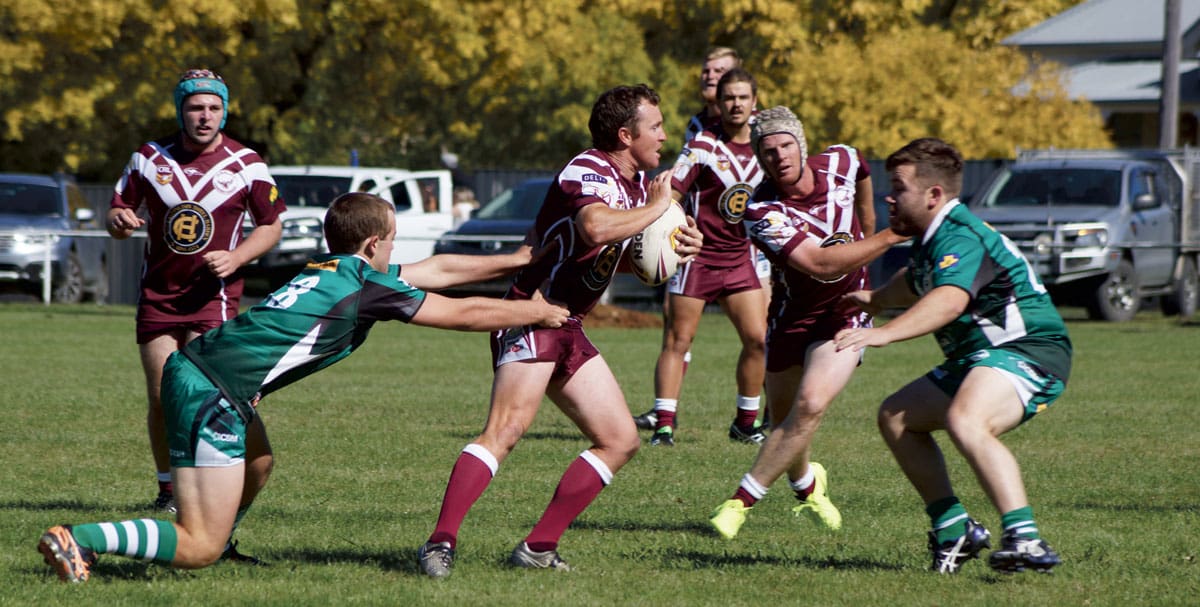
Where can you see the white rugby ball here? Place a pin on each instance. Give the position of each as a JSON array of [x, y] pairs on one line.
[[652, 255]]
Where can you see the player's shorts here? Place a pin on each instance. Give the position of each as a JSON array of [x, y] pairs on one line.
[[147, 330], [1036, 387], [567, 346], [203, 429], [787, 346], [762, 265], [711, 283]]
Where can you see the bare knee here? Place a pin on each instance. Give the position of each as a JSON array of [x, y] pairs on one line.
[[890, 420]]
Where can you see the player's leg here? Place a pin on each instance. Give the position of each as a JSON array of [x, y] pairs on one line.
[[744, 310], [154, 353], [906, 420], [679, 330], [987, 405], [593, 400], [260, 461], [517, 392]]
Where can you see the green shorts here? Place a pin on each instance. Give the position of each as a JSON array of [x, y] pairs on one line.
[[203, 429], [1036, 387]]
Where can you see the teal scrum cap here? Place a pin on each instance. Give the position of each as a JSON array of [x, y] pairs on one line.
[[200, 81]]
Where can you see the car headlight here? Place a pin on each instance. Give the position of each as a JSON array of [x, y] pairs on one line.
[[28, 243], [305, 227], [1043, 243], [1089, 237]]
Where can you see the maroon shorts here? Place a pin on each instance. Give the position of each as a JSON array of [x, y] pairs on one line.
[[786, 347], [147, 331], [711, 283], [566, 346]]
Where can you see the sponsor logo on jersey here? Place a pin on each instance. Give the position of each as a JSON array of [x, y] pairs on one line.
[[163, 175], [225, 437], [330, 265], [188, 228], [192, 172], [593, 178], [603, 267], [225, 182], [733, 201], [273, 196], [947, 262], [843, 196]]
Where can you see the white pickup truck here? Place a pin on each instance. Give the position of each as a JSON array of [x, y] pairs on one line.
[[423, 201]]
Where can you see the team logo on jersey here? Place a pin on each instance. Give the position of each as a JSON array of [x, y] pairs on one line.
[[189, 228], [163, 175], [603, 267], [722, 163], [192, 172], [843, 196], [835, 239], [225, 182], [947, 262], [273, 196], [733, 201]]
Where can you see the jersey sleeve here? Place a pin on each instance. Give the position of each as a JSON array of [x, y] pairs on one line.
[[688, 166], [583, 186], [961, 262], [386, 296], [127, 192], [771, 230], [263, 200]]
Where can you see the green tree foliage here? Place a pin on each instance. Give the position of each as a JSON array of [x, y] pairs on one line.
[[510, 83]]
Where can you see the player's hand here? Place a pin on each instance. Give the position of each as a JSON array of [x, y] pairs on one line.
[[861, 300], [553, 315], [688, 241], [857, 339], [659, 192], [122, 222], [221, 263]]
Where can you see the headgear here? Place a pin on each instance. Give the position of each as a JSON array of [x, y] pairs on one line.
[[200, 81], [776, 120]]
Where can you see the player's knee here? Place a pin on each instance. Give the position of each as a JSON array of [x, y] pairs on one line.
[[890, 419]]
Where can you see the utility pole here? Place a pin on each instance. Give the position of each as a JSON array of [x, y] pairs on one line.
[[1168, 109]]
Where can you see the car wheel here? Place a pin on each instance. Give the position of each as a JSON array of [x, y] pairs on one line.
[[1185, 293], [1117, 297], [69, 288]]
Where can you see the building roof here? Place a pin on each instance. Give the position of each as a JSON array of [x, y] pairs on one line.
[[1129, 81], [1134, 23]]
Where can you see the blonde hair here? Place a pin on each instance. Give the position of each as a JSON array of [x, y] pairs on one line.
[[718, 52]]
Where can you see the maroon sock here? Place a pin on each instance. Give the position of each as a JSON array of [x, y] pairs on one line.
[[665, 418], [745, 417], [468, 480], [166, 487], [580, 485], [747, 499]]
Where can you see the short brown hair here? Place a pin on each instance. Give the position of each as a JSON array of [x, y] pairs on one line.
[[615, 109], [936, 162], [736, 74], [353, 218]]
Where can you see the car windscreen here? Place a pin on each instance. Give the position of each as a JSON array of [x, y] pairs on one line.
[[1039, 187], [28, 199], [310, 190], [521, 202]]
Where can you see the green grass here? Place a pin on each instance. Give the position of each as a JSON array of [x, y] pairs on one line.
[[363, 451]]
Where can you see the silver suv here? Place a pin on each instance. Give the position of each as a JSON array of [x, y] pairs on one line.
[[39, 213]]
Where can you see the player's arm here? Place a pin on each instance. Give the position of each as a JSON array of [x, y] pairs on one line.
[[864, 205], [261, 239], [444, 271], [933, 311], [599, 224], [895, 294], [827, 263], [486, 313]]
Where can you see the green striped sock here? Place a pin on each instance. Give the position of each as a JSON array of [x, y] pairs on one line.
[[1020, 523], [948, 517], [145, 539]]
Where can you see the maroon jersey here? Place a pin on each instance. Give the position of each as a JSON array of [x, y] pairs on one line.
[[700, 122], [723, 176], [826, 215], [574, 272], [195, 203]]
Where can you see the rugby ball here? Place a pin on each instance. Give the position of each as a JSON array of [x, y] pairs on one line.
[[652, 255]]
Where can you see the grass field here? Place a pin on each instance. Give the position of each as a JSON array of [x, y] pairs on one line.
[[363, 451]]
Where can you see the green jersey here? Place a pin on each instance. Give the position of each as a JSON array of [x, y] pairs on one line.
[[315, 320], [1009, 305]]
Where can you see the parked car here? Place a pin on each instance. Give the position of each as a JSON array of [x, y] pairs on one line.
[[500, 225], [423, 201], [36, 214]]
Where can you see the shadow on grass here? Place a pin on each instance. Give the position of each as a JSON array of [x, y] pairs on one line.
[[1140, 507], [403, 560], [75, 505], [727, 559]]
